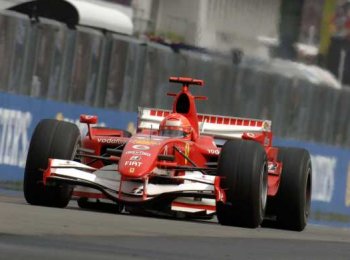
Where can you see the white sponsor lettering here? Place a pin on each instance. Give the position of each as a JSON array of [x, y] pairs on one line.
[[135, 158], [138, 153], [141, 147], [14, 142], [323, 171], [110, 141], [214, 151], [133, 163], [174, 123]]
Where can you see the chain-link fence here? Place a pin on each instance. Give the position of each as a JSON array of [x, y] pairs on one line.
[[96, 68]]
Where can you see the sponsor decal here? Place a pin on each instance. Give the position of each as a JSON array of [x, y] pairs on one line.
[[173, 123], [214, 151], [145, 142], [14, 136], [323, 170], [138, 153], [135, 158], [111, 141], [141, 147], [347, 193], [132, 170], [133, 163]]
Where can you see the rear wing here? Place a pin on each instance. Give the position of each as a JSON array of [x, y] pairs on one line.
[[222, 127]]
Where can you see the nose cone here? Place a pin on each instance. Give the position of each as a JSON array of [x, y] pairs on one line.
[[139, 157]]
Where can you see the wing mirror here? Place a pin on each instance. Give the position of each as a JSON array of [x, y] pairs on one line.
[[88, 119]]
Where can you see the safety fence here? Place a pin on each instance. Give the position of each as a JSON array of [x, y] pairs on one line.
[[100, 69]]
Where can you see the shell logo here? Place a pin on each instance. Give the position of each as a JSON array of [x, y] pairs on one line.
[[141, 147]]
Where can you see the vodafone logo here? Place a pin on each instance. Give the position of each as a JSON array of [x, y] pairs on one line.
[[141, 147], [110, 141]]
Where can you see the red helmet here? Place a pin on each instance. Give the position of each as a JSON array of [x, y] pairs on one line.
[[175, 125]]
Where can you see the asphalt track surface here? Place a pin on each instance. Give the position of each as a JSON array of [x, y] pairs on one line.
[[31, 232]]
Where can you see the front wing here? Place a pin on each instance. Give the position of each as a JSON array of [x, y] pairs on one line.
[[194, 192]]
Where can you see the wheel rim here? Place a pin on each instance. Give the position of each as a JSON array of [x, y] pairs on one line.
[[263, 188], [75, 149], [307, 195]]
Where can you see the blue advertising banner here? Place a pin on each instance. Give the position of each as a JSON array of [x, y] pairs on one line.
[[330, 183], [20, 114]]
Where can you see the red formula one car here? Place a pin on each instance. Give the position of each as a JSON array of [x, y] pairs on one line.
[[179, 163]]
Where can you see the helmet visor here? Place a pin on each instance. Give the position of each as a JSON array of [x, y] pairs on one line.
[[172, 133]]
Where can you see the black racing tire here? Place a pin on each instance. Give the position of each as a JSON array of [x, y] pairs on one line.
[[293, 199], [243, 168], [51, 139]]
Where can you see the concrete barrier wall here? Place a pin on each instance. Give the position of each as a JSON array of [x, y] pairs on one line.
[[20, 114], [100, 69]]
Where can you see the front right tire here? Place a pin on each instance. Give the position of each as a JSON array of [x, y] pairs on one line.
[[242, 167]]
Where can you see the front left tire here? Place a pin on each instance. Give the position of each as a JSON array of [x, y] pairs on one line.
[[51, 139]]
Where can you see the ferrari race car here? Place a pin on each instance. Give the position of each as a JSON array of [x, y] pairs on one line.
[[179, 163]]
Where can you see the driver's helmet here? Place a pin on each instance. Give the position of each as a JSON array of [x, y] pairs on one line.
[[175, 125]]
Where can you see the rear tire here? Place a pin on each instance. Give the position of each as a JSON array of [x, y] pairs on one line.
[[293, 199], [243, 166], [51, 139]]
